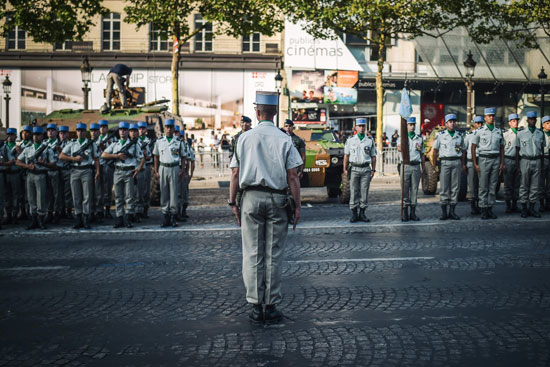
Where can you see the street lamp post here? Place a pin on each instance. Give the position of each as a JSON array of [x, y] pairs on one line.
[[542, 79], [278, 83], [470, 65], [86, 71], [6, 84]]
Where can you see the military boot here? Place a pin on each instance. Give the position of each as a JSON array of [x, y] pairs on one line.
[[354, 217], [86, 222], [166, 222], [532, 211], [256, 315], [56, 218], [49, 217], [515, 208], [99, 217], [363, 216], [475, 209], [128, 220], [542, 206], [452, 214], [173, 220], [146, 212], [108, 212], [69, 213], [42, 221], [524, 210], [34, 224], [78, 224], [23, 213], [184, 211], [444, 215], [405, 217], [508, 207], [490, 213], [413, 214], [119, 222], [272, 315], [484, 213]]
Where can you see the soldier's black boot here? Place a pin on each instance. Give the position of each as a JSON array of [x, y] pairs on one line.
[[86, 222], [99, 217], [34, 223], [532, 211], [42, 221], [182, 215], [524, 210], [363, 216], [405, 217], [272, 315], [79, 221], [56, 218], [542, 207], [256, 315], [173, 221], [69, 213], [444, 215], [508, 207], [413, 214], [166, 222], [108, 212], [452, 214], [354, 217], [146, 212], [475, 208], [49, 217], [128, 220], [490, 213], [184, 211], [515, 208], [484, 213], [119, 222]]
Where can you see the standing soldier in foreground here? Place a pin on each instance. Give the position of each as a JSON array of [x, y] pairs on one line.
[[545, 175], [246, 124], [170, 155], [449, 146], [490, 143], [511, 177], [360, 153], [473, 178], [54, 195], [37, 158], [298, 143], [64, 168], [13, 178], [263, 213], [26, 141], [82, 153], [412, 171], [529, 148]]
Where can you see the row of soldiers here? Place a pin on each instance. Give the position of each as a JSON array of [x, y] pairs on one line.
[[46, 174]]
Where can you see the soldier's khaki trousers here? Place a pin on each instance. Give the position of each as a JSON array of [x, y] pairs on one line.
[[124, 192], [545, 180], [449, 181], [143, 181], [65, 183], [488, 181], [511, 180], [12, 191], [264, 227], [530, 176], [359, 184], [97, 206], [36, 192], [82, 188], [169, 189], [473, 181], [411, 180], [108, 179], [148, 175], [54, 196]]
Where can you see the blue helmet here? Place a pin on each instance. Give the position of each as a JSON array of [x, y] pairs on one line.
[[11, 130], [103, 123], [134, 127], [27, 128], [411, 120], [177, 128], [545, 119], [513, 116], [51, 126], [360, 121], [37, 130], [490, 111], [142, 124], [63, 128], [531, 115], [81, 126], [450, 116], [123, 125], [169, 122], [478, 119], [94, 126]]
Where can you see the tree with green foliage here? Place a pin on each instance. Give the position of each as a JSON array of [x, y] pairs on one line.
[[530, 16], [230, 17], [51, 21]]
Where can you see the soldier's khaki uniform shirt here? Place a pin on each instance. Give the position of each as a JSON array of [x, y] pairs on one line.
[[169, 152], [531, 144], [360, 151], [510, 138], [468, 139], [263, 156], [27, 155], [145, 145], [416, 149], [89, 155], [54, 144], [299, 143], [134, 154], [449, 146], [487, 141]]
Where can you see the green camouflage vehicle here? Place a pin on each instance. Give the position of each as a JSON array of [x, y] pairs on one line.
[[324, 163]]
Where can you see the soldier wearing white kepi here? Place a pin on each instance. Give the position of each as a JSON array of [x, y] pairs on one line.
[[412, 171], [170, 155], [473, 178], [511, 177], [529, 148], [37, 158], [360, 153], [449, 146], [490, 143], [264, 167], [545, 177], [129, 161], [82, 153]]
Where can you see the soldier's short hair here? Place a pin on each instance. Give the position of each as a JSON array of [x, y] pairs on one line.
[[267, 109]]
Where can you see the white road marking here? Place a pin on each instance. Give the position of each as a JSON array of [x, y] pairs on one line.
[[23, 268], [362, 260]]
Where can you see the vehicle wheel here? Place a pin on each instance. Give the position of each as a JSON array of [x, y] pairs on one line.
[[429, 179], [344, 190], [155, 190], [333, 192], [463, 190]]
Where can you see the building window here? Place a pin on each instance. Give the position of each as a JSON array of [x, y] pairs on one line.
[[111, 32], [16, 39], [251, 43], [65, 46], [156, 43], [203, 39]]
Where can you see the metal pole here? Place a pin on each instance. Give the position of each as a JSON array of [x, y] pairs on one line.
[[7, 97], [278, 106], [469, 103], [541, 101], [85, 90]]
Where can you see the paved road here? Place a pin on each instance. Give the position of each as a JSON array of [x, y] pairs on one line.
[[379, 294]]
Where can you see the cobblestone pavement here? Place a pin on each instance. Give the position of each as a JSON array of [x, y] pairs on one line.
[[384, 293]]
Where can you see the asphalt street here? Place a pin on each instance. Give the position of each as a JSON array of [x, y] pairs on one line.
[[384, 293]]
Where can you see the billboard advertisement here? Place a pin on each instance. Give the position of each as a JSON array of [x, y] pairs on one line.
[[340, 87], [309, 115], [307, 86]]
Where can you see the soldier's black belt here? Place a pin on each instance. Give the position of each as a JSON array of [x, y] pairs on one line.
[[531, 158], [128, 168], [412, 164], [449, 158], [83, 167], [265, 189], [169, 164], [495, 155], [148, 163], [360, 165]]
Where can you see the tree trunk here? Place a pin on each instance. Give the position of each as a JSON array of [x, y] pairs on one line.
[[380, 93], [175, 76]]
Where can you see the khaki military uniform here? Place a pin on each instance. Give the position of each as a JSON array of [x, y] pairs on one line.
[[450, 152], [531, 146], [107, 173], [412, 171], [511, 177], [170, 152], [300, 146], [54, 195], [190, 156], [263, 156], [82, 180], [144, 176], [23, 199], [64, 168], [37, 178], [473, 179], [488, 144], [123, 178], [360, 158]]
